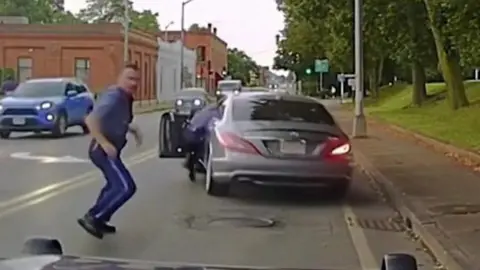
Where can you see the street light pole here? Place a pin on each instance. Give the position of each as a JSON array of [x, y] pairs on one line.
[[359, 123], [126, 29], [182, 39], [166, 32]]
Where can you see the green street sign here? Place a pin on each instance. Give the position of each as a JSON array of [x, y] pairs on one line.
[[308, 71], [321, 66]]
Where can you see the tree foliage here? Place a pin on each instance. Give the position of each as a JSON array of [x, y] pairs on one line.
[[415, 35], [98, 11], [241, 66]]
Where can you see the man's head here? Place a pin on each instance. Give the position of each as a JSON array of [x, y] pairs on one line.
[[129, 78]]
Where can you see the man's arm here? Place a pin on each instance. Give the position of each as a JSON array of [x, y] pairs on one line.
[[100, 111]]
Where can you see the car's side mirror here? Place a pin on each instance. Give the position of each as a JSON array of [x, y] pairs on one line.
[[71, 93]]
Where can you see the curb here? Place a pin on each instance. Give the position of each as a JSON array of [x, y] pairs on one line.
[[447, 253], [465, 156]]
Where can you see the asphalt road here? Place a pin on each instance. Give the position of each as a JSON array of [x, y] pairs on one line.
[[172, 220]]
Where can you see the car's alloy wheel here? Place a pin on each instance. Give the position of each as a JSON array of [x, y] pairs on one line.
[[211, 186], [60, 125]]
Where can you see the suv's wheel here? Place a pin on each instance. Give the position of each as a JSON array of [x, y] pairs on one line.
[[60, 125], [83, 126], [213, 187], [4, 134]]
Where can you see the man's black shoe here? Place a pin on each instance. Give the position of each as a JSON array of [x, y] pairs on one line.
[[91, 226], [107, 228]]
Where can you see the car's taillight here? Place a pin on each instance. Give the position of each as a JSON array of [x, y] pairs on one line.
[[236, 143], [337, 148]]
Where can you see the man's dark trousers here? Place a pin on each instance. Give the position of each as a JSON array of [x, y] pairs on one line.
[[119, 187]]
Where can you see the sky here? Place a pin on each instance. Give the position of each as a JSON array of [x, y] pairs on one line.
[[249, 25]]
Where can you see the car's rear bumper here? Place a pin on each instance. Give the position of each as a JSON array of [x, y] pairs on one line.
[[274, 172]]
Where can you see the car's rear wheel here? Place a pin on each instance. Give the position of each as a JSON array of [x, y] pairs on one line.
[[4, 134], [213, 187], [60, 125]]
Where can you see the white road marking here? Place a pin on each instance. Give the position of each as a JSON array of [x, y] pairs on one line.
[[47, 159], [359, 240]]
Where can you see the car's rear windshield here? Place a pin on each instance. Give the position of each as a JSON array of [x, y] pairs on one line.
[[271, 109]]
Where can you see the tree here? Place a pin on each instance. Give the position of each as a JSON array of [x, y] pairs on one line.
[[241, 66], [37, 11], [447, 23], [196, 27], [98, 11]]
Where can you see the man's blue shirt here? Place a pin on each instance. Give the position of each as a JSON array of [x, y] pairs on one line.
[[199, 124], [114, 113]]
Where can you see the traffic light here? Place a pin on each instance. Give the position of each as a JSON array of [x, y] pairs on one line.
[[308, 71]]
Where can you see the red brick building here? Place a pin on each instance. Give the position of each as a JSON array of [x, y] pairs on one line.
[[92, 52], [211, 53]]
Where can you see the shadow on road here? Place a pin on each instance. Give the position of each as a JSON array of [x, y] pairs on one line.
[[296, 196]]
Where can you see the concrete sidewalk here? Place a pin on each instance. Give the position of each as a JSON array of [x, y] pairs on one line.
[[438, 198]]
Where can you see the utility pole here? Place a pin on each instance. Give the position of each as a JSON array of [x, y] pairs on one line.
[[126, 29], [182, 39], [359, 122]]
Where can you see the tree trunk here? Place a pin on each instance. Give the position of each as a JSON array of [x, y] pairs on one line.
[[419, 92], [373, 83], [449, 62], [381, 65]]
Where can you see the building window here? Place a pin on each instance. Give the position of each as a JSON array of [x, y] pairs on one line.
[[24, 68], [82, 69], [201, 53]]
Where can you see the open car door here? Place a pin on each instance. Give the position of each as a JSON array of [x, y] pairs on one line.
[[170, 144]]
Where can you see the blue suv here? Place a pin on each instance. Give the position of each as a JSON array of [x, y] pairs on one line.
[[51, 104]]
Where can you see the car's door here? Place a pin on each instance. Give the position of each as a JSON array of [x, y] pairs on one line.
[[170, 142], [85, 100], [71, 102]]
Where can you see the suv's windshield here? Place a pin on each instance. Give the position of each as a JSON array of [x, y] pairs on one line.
[[229, 86], [39, 89], [270, 109]]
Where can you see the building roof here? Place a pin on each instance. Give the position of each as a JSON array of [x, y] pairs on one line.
[[107, 30], [197, 33]]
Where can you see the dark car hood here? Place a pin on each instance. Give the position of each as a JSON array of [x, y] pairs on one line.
[[52, 262]]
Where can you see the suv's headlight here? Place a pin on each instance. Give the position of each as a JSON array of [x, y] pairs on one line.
[[197, 102], [218, 92], [236, 92], [45, 105], [179, 102]]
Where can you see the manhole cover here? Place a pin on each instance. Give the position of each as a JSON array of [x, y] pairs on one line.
[[242, 222], [456, 209]]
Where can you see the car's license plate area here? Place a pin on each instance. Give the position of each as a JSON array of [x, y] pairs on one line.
[[18, 121], [293, 147]]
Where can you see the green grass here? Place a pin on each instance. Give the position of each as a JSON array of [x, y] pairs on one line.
[[435, 118]]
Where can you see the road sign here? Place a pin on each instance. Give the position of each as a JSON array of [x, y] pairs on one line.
[[341, 78], [351, 82], [321, 66], [47, 159]]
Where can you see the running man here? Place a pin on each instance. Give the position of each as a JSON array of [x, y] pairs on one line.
[[109, 123]]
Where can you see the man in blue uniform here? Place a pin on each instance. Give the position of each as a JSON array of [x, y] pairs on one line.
[[196, 131], [109, 123]]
